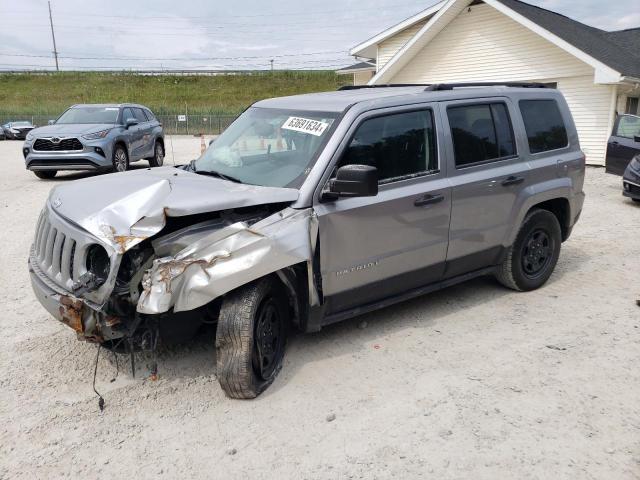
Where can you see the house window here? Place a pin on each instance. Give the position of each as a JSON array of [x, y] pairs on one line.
[[544, 125], [399, 146], [632, 106], [481, 133]]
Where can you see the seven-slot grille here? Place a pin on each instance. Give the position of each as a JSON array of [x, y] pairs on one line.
[[55, 252], [64, 145]]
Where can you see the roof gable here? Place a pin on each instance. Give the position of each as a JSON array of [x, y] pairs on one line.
[[367, 49], [601, 50]]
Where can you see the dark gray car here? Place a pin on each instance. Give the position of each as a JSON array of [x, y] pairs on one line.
[[95, 137], [313, 209]]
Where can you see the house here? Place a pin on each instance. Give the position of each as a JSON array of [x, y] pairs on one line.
[[509, 40], [362, 72]]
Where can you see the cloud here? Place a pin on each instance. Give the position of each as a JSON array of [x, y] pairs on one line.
[[239, 34]]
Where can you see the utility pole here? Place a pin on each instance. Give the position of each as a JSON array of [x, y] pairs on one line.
[[53, 36]]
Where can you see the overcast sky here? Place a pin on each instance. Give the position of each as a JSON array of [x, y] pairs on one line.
[[238, 34]]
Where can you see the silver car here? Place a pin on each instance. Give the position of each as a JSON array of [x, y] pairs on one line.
[[312, 209], [95, 137]]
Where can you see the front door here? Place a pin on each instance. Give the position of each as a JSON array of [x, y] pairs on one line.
[[622, 146], [372, 248], [134, 134]]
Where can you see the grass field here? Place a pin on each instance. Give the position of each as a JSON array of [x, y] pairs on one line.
[[51, 94]]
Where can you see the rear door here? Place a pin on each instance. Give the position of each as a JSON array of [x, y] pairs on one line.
[[145, 127], [372, 248], [487, 176]]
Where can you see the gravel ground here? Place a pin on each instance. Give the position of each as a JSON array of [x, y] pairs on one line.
[[472, 382]]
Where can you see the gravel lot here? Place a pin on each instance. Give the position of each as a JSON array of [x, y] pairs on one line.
[[472, 382]]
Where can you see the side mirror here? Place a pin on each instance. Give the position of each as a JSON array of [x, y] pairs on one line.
[[354, 181], [130, 122], [51, 122]]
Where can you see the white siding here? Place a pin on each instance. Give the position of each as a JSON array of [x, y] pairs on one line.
[[361, 78], [485, 45], [592, 107], [389, 47]]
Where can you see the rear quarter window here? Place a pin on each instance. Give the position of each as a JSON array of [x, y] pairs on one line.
[[544, 125]]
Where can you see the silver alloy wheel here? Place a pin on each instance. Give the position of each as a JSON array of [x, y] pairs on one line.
[[159, 155], [120, 160]]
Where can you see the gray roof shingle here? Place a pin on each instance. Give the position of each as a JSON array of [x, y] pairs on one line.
[[618, 50]]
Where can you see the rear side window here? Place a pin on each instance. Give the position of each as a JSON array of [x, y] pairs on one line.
[[480, 133], [398, 145], [544, 125]]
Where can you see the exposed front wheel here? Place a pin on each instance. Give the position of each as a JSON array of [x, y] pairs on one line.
[[251, 338], [120, 159], [531, 259], [45, 174], [158, 156]]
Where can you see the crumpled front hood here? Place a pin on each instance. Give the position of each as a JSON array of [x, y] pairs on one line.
[[70, 129], [123, 209]]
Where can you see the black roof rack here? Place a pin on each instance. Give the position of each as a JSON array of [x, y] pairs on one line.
[[386, 85], [436, 87]]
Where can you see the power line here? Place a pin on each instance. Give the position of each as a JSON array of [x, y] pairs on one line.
[[213, 17], [267, 57]]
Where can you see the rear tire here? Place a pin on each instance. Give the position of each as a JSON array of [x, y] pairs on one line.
[[45, 174], [120, 159], [531, 259], [158, 155], [251, 338]]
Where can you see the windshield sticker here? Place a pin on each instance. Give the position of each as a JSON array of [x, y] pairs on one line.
[[305, 125]]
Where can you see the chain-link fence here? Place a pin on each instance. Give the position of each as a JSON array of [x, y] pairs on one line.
[[173, 124]]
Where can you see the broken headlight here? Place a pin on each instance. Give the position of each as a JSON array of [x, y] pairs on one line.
[[98, 263]]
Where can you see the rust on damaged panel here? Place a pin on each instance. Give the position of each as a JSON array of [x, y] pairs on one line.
[[71, 312]]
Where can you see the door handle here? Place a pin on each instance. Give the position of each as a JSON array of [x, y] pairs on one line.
[[428, 200], [512, 180]]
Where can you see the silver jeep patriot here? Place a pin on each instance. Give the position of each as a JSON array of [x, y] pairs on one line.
[[312, 209]]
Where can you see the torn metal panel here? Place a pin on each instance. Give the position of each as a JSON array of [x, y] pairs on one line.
[[124, 210], [228, 258]]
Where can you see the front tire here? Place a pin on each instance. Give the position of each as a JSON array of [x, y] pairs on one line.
[[251, 338], [45, 174], [158, 156], [120, 159], [531, 259]]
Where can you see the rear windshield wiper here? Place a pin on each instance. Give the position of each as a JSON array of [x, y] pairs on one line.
[[212, 173]]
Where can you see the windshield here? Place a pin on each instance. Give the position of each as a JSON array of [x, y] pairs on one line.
[[21, 124], [89, 115], [269, 147]]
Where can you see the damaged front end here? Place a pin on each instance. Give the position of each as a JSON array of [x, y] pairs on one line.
[[164, 272]]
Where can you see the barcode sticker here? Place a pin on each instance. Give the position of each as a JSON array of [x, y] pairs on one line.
[[305, 125]]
